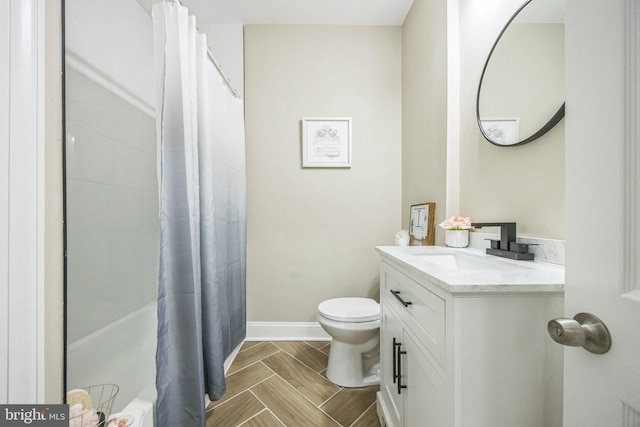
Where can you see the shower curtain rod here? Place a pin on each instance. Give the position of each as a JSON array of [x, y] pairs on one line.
[[222, 74]]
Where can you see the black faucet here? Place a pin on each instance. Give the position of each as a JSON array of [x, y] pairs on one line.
[[506, 247]]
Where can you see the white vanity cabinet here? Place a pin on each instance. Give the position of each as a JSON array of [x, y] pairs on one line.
[[457, 355]]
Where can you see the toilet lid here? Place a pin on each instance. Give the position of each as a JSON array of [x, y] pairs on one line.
[[350, 309]]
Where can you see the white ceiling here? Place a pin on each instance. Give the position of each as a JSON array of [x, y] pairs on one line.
[[328, 12]]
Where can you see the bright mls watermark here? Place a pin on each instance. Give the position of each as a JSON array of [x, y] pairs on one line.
[[34, 415]]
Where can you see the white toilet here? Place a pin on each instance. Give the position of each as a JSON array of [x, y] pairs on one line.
[[354, 325]]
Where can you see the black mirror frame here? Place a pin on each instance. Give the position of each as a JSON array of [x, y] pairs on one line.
[[555, 119]]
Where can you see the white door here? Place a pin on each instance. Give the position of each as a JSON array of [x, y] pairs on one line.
[[603, 206]]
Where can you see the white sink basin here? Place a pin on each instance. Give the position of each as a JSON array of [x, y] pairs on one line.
[[464, 261]]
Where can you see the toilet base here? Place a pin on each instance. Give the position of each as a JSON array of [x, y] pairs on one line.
[[372, 379], [354, 365]]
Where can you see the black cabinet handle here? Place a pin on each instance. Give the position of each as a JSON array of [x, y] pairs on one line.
[[399, 298], [396, 345], [399, 357]]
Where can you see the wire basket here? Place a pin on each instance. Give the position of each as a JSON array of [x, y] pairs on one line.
[[96, 408]]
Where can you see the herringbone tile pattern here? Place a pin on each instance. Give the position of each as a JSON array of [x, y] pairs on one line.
[[282, 383]]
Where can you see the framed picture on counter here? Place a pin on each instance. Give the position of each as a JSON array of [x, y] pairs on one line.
[[422, 224], [326, 142]]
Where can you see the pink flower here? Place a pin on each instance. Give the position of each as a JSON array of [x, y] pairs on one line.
[[456, 223]]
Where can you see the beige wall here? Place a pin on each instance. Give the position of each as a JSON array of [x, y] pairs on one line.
[[311, 232], [488, 183], [54, 280], [424, 114], [523, 183]]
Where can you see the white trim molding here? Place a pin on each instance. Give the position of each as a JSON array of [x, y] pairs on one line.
[[286, 331], [632, 153], [22, 185], [231, 358]]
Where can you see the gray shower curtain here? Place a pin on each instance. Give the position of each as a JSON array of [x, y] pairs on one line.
[[201, 177]]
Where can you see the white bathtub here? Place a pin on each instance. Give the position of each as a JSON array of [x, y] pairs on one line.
[[141, 409]]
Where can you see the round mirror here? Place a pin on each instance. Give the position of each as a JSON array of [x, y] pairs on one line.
[[521, 90]]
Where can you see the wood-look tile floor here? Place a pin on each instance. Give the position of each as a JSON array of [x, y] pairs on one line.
[[283, 383]]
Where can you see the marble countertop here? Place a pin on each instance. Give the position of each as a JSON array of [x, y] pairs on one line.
[[472, 271]]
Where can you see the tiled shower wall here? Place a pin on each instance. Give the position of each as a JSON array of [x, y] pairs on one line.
[[112, 216]]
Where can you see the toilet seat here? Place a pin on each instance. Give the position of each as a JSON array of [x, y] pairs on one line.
[[349, 309]]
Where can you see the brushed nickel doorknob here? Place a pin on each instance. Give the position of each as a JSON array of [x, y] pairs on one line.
[[584, 330]]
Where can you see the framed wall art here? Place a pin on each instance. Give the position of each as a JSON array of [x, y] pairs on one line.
[[502, 131], [422, 224], [326, 142]]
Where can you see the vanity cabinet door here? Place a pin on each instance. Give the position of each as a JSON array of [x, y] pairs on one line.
[[390, 339], [421, 310], [425, 392]]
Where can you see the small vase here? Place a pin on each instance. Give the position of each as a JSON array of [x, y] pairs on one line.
[[456, 238]]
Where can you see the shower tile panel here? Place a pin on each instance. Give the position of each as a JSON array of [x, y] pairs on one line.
[[89, 155], [112, 207], [91, 251], [134, 168], [112, 200], [108, 277], [88, 206], [112, 219], [103, 112]]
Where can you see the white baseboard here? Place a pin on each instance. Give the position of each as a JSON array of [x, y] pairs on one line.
[[229, 361], [286, 331]]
